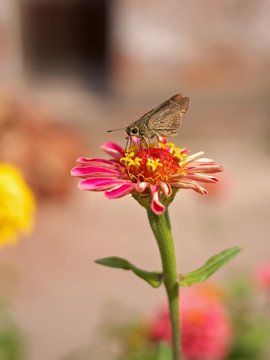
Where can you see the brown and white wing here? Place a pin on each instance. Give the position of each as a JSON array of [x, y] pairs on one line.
[[166, 119]]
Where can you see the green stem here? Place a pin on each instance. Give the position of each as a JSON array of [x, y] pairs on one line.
[[161, 227]]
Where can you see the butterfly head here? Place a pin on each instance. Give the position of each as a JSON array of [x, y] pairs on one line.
[[133, 130]]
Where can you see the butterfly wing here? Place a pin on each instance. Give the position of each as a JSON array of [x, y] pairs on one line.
[[165, 120]]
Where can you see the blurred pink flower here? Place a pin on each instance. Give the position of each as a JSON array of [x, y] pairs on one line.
[[205, 324], [154, 173], [221, 192], [262, 276]]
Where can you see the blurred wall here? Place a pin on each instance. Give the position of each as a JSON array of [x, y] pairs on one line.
[[139, 47], [203, 46]]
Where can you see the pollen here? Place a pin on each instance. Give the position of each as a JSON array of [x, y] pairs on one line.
[[153, 164]]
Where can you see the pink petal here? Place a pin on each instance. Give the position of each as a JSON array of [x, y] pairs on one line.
[[107, 164], [99, 184], [202, 178], [189, 184], [84, 160], [156, 205], [165, 187], [114, 150], [141, 186], [183, 184], [184, 151], [90, 170], [120, 191], [206, 168], [182, 174], [163, 139], [193, 156], [205, 160], [199, 189]]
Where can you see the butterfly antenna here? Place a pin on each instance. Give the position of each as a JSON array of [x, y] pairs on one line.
[[115, 130]]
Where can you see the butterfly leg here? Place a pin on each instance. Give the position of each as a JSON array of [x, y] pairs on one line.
[[146, 143], [159, 140], [128, 141]]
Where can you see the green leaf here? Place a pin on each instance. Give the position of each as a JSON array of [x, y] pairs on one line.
[[213, 264], [154, 278]]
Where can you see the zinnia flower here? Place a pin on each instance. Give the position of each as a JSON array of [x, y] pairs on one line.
[[151, 174], [17, 204], [262, 276], [206, 326]]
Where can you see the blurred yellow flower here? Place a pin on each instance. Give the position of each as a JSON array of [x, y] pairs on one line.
[[17, 205]]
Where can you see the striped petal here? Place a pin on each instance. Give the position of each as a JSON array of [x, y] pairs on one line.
[[206, 168], [189, 184], [114, 150], [165, 187], [202, 178], [99, 184], [193, 156], [141, 186], [110, 164], [90, 170], [204, 160], [156, 205], [184, 150], [120, 191], [84, 160]]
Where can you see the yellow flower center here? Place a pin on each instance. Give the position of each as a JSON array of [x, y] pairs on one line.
[[153, 164]]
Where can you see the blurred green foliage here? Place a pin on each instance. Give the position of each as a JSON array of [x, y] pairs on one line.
[[11, 339], [248, 307]]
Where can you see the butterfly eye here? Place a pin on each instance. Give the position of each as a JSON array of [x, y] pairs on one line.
[[134, 130]]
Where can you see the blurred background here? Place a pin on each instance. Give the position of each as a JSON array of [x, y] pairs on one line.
[[72, 69]]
